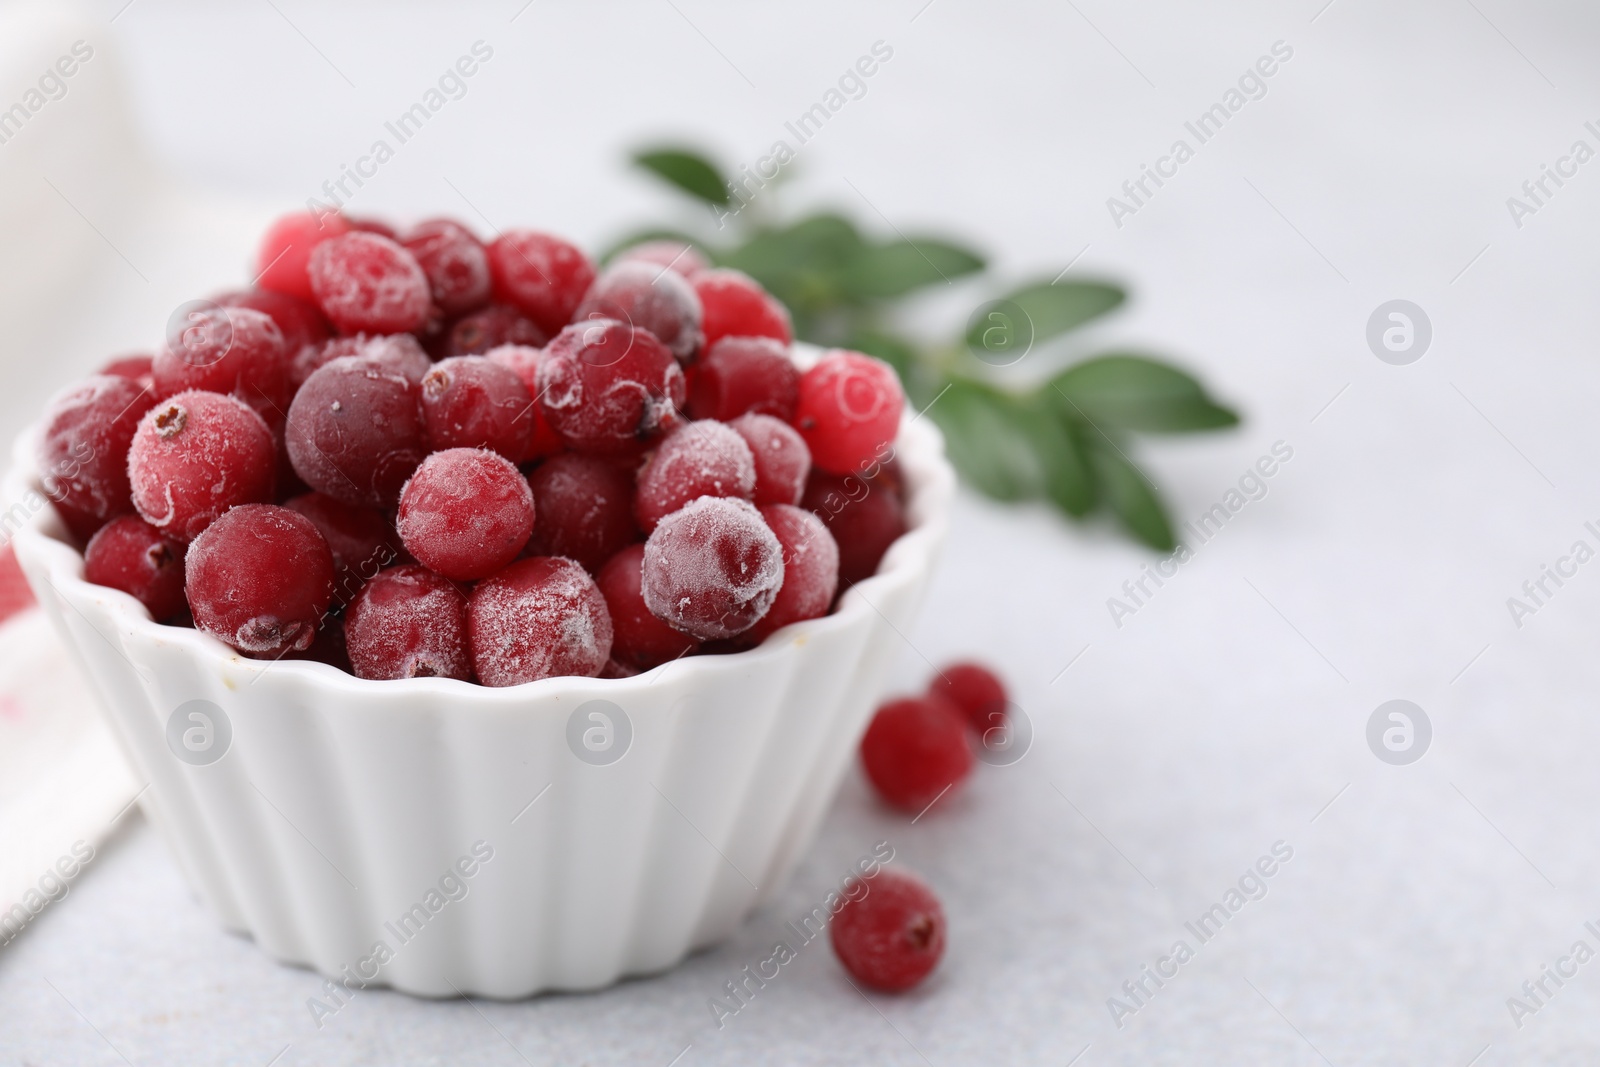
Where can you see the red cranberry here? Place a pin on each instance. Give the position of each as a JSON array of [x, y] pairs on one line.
[[542, 275], [238, 351], [641, 640], [83, 451], [456, 264], [810, 570], [367, 283], [408, 622], [742, 374], [196, 455], [466, 513], [849, 411], [609, 388], [483, 331], [734, 305], [135, 368], [647, 298], [286, 250], [703, 458], [585, 508], [472, 402], [915, 749], [712, 568], [863, 515], [782, 458], [377, 226], [398, 352], [131, 555], [300, 321], [539, 618], [892, 937], [524, 363], [684, 259], [355, 431], [976, 691], [259, 579], [360, 538]]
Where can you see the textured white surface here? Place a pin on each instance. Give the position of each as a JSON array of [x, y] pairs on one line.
[[1205, 728]]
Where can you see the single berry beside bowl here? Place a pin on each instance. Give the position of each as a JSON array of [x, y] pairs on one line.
[[916, 750], [893, 936]]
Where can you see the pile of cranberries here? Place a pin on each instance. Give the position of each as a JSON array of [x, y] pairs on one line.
[[411, 453]]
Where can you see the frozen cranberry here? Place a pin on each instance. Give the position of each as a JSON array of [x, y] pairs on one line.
[[196, 455], [327, 647], [892, 936], [782, 458], [483, 331], [712, 568], [608, 388], [743, 374], [976, 691], [849, 411], [399, 352], [915, 749], [810, 570], [684, 259], [408, 622], [259, 579], [300, 321], [377, 226], [238, 351], [864, 516], [83, 450], [131, 555], [135, 368], [472, 402], [539, 618], [544, 276], [524, 363], [456, 263], [733, 304], [355, 431], [286, 250], [368, 283], [466, 513], [647, 298], [585, 508], [641, 640], [360, 538], [703, 458]]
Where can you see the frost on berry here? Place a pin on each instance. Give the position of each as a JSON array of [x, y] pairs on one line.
[[712, 568], [483, 331], [466, 513], [641, 640], [608, 388], [733, 304], [286, 249], [543, 276], [238, 351], [471, 402], [683, 259], [540, 617], [650, 298], [82, 452], [585, 509], [194, 456], [810, 570], [355, 431], [399, 352], [131, 555], [744, 374], [891, 935], [705, 458], [456, 264], [259, 579], [366, 282], [408, 622], [781, 456]]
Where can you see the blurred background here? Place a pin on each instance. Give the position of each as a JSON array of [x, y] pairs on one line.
[[1395, 153]]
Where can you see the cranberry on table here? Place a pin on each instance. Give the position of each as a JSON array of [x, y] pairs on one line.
[[683, 259], [744, 374], [543, 276], [466, 513], [496, 325], [286, 249], [640, 640], [712, 568], [891, 938], [976, 691], [355, 431], [650, 298], [196, 455], [238, 351], [705, 458], [131, 555], [914, 750], [456, 263], [360, 538], [810, 570], [408, 622], [260, 579], [609, 388], [83, 452], [541, 617], [849, 411], [864, 516], [782, 458], [733, 304], [367, 283], [472, 402], [585, 509], [523, 361], [300, 321]]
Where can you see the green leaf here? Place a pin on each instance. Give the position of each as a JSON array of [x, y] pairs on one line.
[[690, 172], [1042, 310], [984, 441], [803, 264], [885, 271], [1060, 453], [1135, 392], [1131, 495]]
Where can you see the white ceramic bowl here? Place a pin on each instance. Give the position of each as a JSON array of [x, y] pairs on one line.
[[338, 815]]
